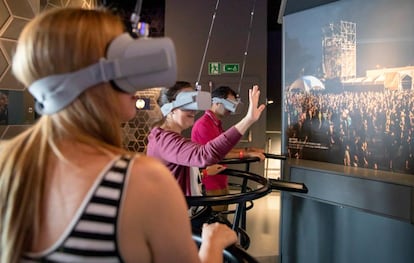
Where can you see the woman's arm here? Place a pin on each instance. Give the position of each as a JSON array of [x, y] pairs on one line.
[[174, 148]]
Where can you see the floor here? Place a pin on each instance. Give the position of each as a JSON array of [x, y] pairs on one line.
[[263, 228], [263, 220]]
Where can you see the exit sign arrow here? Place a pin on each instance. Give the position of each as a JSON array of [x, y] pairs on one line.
[[231, 68]]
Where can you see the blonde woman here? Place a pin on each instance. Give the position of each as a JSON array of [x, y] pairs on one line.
[[69, 191]]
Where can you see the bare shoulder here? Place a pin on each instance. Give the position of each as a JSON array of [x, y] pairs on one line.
[[154, 202], [150, 192], [143, 166], [149, 173]]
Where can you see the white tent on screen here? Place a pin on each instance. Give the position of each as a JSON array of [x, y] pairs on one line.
[[306, 84]]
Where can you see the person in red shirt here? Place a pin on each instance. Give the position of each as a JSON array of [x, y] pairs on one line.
[[208, 127]]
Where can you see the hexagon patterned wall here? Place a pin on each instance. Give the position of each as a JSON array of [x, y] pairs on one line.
[[13, 17], [136, 130], [16, 105]]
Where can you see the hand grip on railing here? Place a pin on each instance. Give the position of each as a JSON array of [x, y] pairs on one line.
[[274, 156], [252, 159], [288, 186], [232, 254], [244, 160]]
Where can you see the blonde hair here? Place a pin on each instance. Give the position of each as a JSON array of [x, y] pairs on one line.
[[57, 41]]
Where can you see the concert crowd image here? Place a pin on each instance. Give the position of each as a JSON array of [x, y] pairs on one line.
[[348, 84]]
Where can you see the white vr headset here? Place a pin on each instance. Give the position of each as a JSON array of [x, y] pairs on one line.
[[188, 100], [132, 64], [235, 107]]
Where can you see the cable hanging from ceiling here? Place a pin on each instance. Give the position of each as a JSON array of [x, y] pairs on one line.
[[246, 50]]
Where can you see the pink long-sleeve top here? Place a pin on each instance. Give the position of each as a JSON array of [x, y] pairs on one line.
[[179, 153], [206, 128]]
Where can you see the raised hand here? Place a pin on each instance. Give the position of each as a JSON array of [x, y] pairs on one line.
[[253, 113]]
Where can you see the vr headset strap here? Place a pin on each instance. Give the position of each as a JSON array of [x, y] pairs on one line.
[[53, 93], [168, 107]]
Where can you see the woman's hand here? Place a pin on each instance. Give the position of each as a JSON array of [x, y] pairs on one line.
[[253, 113], [215, 238], [260, 155], [219, 235], [214, 169]]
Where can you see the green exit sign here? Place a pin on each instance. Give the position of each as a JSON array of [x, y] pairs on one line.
[[231, 68], [214, 68]]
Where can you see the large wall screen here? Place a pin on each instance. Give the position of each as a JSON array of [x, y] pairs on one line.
[[348, 84]]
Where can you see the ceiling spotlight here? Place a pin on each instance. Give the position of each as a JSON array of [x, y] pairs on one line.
[[142, 104]]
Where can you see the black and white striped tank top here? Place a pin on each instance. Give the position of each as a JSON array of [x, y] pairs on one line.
[[92, 235]]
